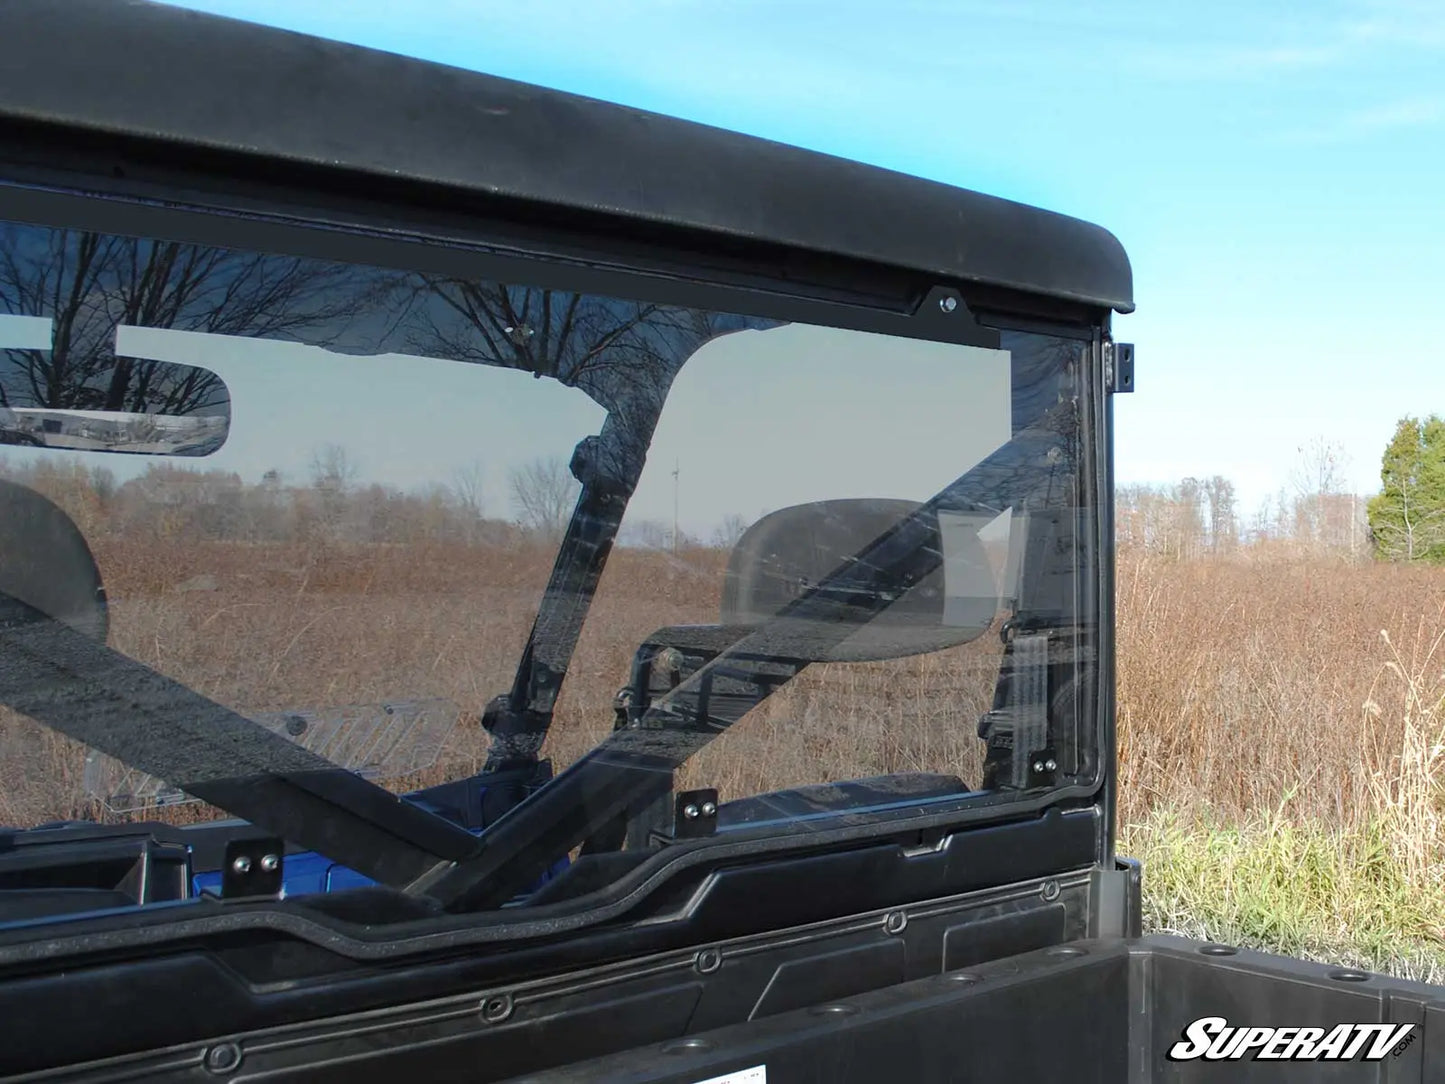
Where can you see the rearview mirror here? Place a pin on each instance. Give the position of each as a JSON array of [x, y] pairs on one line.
[[90, 397]]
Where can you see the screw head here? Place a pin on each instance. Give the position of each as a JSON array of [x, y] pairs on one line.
[[270, 862], [691, 812], [497, 1008], [1038, 765], [241, 864], [709, 808], [1051, 765], [223, 1057], [707, 961], [948, 304]]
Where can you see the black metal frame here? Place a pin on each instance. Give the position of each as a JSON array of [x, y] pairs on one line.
[[97, 206]]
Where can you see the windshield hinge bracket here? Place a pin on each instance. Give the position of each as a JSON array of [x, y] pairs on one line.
[[254, 868], [695, 813], [1119, 367]]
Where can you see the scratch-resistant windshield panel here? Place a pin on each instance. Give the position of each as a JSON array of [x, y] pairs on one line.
[[586, 579]]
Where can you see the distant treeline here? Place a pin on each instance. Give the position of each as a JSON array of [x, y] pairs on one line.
[[211, 505], [1191, 518], [1199, 517], [214, 505]]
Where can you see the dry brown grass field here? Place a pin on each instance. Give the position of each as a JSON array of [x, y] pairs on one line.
[[265, 627], [1279, 682], [1243, 683], [1301, 693]]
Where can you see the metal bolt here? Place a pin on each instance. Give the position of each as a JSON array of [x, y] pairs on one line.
[[895, 922], [223, 1057], [1050, 891], [709, 808], [1051, 764], [1038, 765], [241, 864], [497, 1008], [707, 961], [690, 812], [948, 304], [270, 862]]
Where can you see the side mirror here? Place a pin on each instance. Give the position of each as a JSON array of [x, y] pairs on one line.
[[786, 553]]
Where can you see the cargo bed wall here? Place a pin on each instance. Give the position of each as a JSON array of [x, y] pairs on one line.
[[1091, 1011]]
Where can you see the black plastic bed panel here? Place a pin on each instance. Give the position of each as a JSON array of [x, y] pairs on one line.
[[1082, 1011]]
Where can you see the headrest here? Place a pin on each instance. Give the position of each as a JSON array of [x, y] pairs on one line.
[[45, 562]]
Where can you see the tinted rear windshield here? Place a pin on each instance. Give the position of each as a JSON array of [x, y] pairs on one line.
[[586, 579]]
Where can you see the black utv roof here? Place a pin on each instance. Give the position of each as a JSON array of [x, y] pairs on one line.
[[154, 74]]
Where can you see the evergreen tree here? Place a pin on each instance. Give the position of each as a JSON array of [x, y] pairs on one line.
[[1407, 517]]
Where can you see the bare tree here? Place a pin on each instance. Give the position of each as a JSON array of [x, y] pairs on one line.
[[332, 469], [1189, 529], [332, 476], [729, 531], [1223, 525], [468, 492], [1179, 521], [88, 284], [543, 494], [1321, 517]]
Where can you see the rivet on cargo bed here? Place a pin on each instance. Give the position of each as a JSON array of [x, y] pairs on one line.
[[223, 1058], [964, 978], [497, 1008]]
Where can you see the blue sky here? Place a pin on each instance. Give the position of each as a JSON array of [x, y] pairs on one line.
[[1275, 170]]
